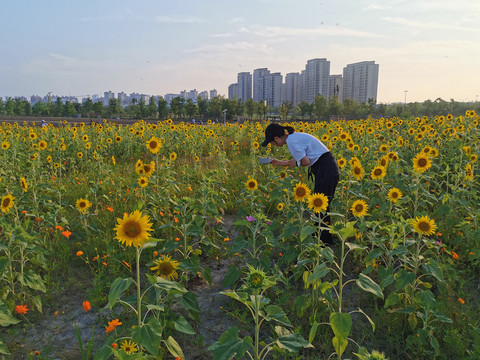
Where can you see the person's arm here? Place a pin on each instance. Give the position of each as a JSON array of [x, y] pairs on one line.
[[291, 163]]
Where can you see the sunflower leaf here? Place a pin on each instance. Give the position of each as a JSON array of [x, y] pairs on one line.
[[118, 287]]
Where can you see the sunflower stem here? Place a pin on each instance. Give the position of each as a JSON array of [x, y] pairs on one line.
[[139, 299]]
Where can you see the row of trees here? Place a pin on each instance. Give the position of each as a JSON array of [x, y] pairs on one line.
[[219, 107]]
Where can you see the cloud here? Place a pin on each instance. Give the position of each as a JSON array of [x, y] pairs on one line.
[[428, 25], [180, 19], [279, 31], [222, 35]]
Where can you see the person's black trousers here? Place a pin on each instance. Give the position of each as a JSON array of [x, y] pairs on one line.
[[326, 175]]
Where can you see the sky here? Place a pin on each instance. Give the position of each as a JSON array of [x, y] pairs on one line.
[[426, 49]]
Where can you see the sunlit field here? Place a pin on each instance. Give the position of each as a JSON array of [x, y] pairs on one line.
[[140, 216]]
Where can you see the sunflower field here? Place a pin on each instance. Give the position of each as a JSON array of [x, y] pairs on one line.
[[136, 219]]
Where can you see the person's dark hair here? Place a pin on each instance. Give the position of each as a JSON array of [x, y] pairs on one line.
[[274, 130]]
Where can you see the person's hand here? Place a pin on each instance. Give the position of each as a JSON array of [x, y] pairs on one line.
[[276, 162]]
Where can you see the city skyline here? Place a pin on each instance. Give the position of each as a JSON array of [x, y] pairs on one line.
[[426, 49]]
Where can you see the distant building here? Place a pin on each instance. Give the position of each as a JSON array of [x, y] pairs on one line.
[[203, 95], [316, 79], [335, 86], [107, 96], [170, 97], [213, 93], [258, 84], [233, 91], [244, 86], [272, 89], [360, 81], [292, 88]]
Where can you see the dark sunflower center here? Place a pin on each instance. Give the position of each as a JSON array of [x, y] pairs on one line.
[[357, 170], [146, 168], [424, 226], [318, 202], [300, 192], [132, 229], [153, 144], [82, 204], [165, 268], [395, 195], [358, 208], [378, 172], [422, 162], [6, 202]]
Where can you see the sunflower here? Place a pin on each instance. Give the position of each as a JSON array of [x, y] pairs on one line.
[[173, 156], [318, 202], [42, 145], [359, 208], [166, 268], [251, 184], [301, 192], [283, 174], [394, 194], [118, 138], [7, 203], [342, 162], [469, 172], [85, 137], [358, 171], [24, 184], [49, 159], [473, 158], [32, 135], [79, 154], [143, 181], [280, 206], [421, 162], [196, 158], [154, 145], [129, 346], [149, 169], [424, 225], [133, 229], [5, 145], [56, 165], [82, 205], [256, 145], [378, 172]]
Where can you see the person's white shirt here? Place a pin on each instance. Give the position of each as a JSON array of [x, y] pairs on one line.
[[303, 144]]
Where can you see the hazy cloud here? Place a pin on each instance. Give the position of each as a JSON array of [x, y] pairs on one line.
[[428, 24], [180, 19], [278, 31]]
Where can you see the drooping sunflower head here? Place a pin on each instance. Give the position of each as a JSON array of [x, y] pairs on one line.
[[24, 184], [166, 268], [83, 205], [359, 208], [378, 172], [318, 202], [424, 225], [394, 194], [251, 184], [133, 229], [421, 163], [129, 346], [7, 203], [469, 172], [301, 192]]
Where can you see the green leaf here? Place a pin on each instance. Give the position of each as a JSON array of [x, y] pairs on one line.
[[174, 348], [339, 344], [169, 285], [4, 349], [375, 253], [353, 246], [319, 272], [207, 275], [307, 230], [189, 300], [117, 289], [182, 325], [341, 324], [232, 276], [33, 281], [404, 278], [3, 263], [292, 342], [313, 331], [367, 284], [229, 345], [348, 231], [7, 319], [386, 274], [368, 318], [276, 313], [432, 268], [302, 303], [442, 317], [148, 337], [392, 299]]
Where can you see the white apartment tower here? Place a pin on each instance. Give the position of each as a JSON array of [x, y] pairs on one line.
[[335, 86], [360, 81], [272, 87], [233, 91], [244, 88], [317, 73], [293, 88], [258, 90]]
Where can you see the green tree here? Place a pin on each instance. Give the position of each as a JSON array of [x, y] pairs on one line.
[[285, 109], [162, 108], [350, 106], [19, 108], [87, 108], [2, 106], [10, 106], [112, 109], [39, 108], [58, 108], [98, 109], [320, 105], [69, 109], [250, 108], [262, 108], [334, 106], [202, 105], [215, 107], [190, 108], [371, 105], [152, 108], [142, 108], [177, 105]]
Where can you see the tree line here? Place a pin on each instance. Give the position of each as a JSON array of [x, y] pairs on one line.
[[220, 108]]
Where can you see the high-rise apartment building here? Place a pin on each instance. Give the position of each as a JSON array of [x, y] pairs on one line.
[[244, 88], [272, 88], [292, 88], [360, 81], [233, 91], [335, 86], [107, 95], [317, 73], [213, 93], [258, 89]]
